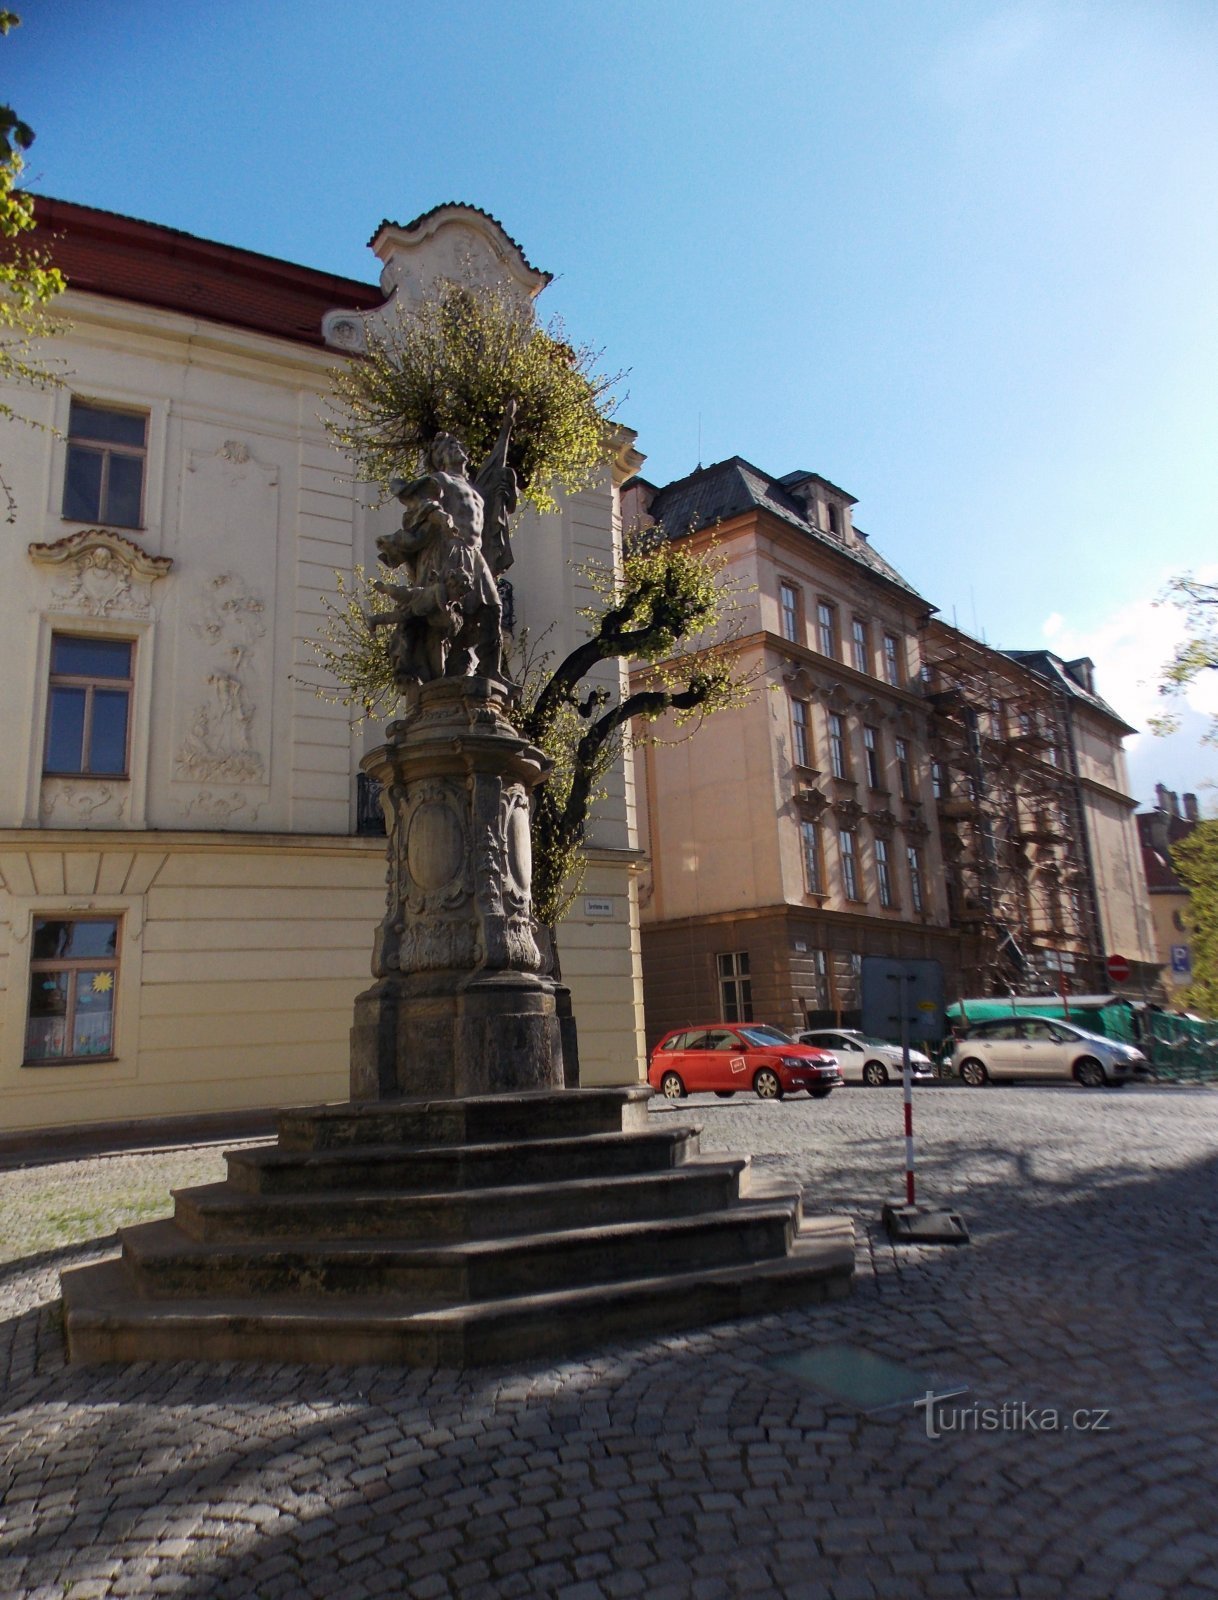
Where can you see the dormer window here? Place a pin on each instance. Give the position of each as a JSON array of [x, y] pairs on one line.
[[835, 520]]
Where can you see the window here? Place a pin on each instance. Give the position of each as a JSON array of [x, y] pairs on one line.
[[871, 747], [104, 481], [850, 865], [860, 655], [820, 980], [904, 772], [892, 668], [814, 875], [914, 857], [736, 987], [882, 873], [788, 604], [939, 780], [835, 519], [837, 746], [73, 972], [801, 733], [826, 628], [88, 706]]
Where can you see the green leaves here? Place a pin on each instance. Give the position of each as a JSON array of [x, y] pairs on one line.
[[1196, 861], [452, 365], [1197, 652], [28, 281]]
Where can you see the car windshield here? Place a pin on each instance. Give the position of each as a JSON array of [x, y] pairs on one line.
[[766, 1035]]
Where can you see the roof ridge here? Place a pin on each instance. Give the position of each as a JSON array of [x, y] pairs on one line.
[[196, 239]]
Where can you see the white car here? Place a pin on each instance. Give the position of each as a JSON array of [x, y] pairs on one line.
[[865, 1060], [1042, 1047]]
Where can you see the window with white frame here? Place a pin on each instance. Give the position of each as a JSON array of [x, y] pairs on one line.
[[871, 751], [892, 669], [850, 864], [73, 975], [801, 733], [839, 763], [814, 873], [104, 478], [860, 654], [735, 986], [916, 897], [788, 606], [826, 628], [883, 873], [88, 706]]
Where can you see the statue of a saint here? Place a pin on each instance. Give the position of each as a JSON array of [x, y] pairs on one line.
[[453, 544]]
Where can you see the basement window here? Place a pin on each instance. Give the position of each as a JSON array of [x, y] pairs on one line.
[[73, 976]]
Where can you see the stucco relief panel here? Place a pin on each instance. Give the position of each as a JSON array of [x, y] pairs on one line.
[[97, 573], [222, 709]]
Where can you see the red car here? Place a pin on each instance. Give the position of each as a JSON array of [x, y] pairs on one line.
[[728, 1057]]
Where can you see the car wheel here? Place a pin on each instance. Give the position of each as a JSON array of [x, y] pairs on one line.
[[875, 1073], [671, 1087], [973, 1072], [724, 1094], [767, 1085], [820, 1094], [1090, 1073]]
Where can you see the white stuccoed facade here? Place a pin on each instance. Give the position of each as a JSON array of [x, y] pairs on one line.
[[228, 851]]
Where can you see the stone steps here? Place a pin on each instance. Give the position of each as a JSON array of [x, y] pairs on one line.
[[106, 1325], [476, 1119], [418, 1168], [218, 1213], [165, 1262], [458, 1231]]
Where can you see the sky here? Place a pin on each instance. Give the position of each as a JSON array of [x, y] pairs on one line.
[[959, 257]]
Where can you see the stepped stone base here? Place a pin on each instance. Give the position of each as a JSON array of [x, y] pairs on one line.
[[456, 1232]]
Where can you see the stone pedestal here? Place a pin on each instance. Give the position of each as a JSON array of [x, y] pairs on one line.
[[459, 1006]]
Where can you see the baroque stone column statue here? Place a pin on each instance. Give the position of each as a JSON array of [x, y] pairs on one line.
[[459, 1006]]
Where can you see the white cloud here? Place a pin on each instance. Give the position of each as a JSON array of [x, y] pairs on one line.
[[1129, 648]]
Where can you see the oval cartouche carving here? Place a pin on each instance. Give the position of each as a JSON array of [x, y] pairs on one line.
[[520, 848], [433, 846]]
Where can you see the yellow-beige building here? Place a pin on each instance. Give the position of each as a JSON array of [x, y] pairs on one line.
[[796, 834], [188, 893]]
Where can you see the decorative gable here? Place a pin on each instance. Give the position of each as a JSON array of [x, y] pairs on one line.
[[449, 244]]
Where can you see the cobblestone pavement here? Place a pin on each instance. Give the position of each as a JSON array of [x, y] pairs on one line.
[[688, 1465]]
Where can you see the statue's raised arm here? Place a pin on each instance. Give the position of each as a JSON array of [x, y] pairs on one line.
[[496, 483]]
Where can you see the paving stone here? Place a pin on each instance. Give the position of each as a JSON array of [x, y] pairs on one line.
[[691, 1460]]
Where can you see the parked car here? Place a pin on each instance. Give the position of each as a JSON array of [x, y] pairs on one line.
[[1025, 1047], [865, 1060], [729, 1057]]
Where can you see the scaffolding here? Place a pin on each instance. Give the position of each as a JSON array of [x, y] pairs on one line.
[[1020, 885]]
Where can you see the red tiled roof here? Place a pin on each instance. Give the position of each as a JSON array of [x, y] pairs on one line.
[[104, 253]]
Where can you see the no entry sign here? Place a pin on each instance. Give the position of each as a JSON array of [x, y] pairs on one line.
[[1118, 969]]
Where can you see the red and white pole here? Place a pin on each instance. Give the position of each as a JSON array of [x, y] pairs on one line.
[[907, 1087]]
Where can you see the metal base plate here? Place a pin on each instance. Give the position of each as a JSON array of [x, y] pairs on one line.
[[923, 1224]]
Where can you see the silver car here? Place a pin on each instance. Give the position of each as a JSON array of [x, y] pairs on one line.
[[865, 1060], [1042, 1047]]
